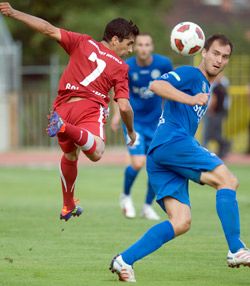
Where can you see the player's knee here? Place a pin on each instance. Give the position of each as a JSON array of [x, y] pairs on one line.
[[71, 156], [137, 165], [96, 156], [230, 182], [138, 162], [234, 182], [181, 225], [95, 159], [186, 225]]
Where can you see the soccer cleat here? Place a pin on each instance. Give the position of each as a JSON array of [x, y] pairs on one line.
[[241, 257], [149, 213], [124, 271], [66, 215], [55, 125], [127, 206]]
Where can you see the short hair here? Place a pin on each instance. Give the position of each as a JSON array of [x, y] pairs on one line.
[[222, 39], [145, 34], [121, 28]]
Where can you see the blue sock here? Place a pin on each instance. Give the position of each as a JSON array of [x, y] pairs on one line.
[[129, 177], [228, 212], [150, 195], [153, 239]]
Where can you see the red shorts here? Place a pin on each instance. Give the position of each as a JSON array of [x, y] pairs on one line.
[[85, 114]]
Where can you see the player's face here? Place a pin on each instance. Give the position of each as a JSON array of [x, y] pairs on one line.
[[124, 47], [216, 58], [143, 47]]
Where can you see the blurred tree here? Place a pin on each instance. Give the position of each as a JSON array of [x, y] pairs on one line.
[[89, 16]]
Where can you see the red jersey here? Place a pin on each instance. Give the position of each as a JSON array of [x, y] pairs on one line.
[[92, 71]]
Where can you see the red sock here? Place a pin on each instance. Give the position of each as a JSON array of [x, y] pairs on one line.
[[81, 137], [68, 173]]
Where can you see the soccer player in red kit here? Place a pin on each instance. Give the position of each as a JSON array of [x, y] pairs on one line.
[[81, 106]]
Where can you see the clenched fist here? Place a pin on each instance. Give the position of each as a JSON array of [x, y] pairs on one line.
[[200, 99]]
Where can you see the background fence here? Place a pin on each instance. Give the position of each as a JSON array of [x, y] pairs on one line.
[[30, 91], [39, 91], [10, 86], [236, 126]]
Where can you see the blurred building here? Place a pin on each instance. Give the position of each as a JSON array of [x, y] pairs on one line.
[[209, 12], [10, 54], [229, 5]]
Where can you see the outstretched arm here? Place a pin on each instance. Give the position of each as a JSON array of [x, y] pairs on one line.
[[168, 91], [33, 22]]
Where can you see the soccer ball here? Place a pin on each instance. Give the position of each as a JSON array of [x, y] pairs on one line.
[[187, 39]]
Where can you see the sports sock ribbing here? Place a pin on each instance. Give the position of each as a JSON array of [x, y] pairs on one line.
[[129, 176]]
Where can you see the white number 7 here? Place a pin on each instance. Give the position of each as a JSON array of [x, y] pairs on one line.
[[97, 72]]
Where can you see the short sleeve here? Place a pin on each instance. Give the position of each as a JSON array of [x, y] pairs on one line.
[[121, 84], [70, 40], [168, 66], [180, 78]]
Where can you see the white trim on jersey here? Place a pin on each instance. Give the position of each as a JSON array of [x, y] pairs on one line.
[[100, 120], [175, 75]]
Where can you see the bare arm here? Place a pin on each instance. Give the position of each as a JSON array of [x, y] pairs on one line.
[[166, 90], [116, 117], [33, 22], [127, 116]]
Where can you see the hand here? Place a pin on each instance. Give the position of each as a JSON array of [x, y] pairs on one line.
[[132, 137], [6, 9], [200, 99]]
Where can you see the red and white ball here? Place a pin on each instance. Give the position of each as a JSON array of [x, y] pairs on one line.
[[187, 39]]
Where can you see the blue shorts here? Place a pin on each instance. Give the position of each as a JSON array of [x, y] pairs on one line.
[[171, 165], [144, 136]]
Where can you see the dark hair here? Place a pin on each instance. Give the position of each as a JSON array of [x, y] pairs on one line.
[[222, 39], [121, 28]]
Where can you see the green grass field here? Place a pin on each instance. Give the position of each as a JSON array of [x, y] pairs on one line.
[[38, 249]]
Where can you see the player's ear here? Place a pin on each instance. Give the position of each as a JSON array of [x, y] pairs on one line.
[[115, 41]]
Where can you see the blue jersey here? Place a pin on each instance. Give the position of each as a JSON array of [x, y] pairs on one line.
[[175, 156], [180, 119], [146, 105]]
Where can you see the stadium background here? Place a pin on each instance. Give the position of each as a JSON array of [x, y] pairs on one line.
[[29, 76], [36, 249]]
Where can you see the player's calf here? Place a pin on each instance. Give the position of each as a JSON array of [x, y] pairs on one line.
[[96, 152]]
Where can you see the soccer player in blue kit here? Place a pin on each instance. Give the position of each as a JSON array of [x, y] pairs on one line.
[[175, 157], [144, 67]]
